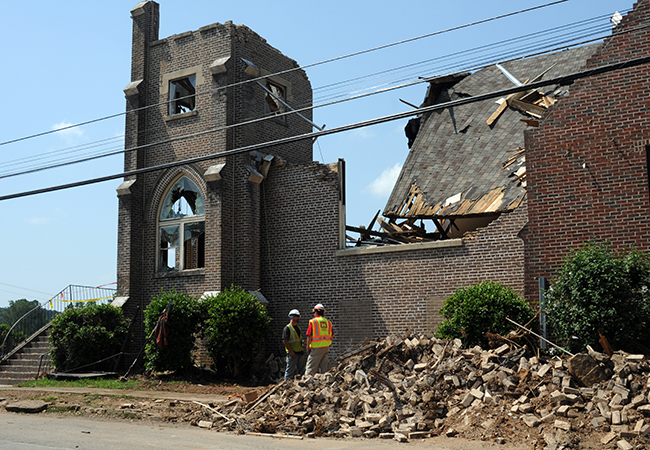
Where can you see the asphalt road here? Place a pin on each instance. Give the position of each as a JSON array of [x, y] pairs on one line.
[[45, 431]]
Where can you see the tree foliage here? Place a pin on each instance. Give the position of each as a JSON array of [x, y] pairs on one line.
[[183, 325], [599, 291], [472, 311], [236, 326], [82, 336]]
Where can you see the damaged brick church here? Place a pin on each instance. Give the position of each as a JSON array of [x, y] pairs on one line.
[[506, 204]]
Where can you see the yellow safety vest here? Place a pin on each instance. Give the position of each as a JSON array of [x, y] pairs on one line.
[[295, 342], [321, 332]]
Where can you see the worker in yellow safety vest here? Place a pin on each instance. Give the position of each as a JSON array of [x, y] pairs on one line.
[[319, 338], [292, 339]]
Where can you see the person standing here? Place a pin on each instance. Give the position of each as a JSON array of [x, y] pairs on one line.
[[319, 338], [292, 339]]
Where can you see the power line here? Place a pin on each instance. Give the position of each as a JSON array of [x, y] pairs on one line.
[[460, 65], [338, 58], [295, 111], [501, 58], [561, 80], [536, 35]]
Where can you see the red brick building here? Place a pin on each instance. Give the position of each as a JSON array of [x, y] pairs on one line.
[[588, 159], [195, 226], [273, 220]]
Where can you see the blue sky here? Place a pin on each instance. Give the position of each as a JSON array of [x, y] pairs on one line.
[[67, 62]]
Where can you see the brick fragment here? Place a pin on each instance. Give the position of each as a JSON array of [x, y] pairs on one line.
[[609, 437], [624, 445], [562, 425]]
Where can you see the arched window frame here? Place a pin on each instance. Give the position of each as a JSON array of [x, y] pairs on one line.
[[181, 227]]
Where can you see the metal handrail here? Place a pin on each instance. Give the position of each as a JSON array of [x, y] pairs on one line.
[[67, 298]]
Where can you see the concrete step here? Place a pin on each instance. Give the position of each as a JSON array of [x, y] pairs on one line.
[[19, 368], [29, 356], [11, 381], [24, 364]]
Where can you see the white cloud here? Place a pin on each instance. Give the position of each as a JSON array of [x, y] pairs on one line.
[[362, 133], [69, 133], [383, 185], [37, 220]]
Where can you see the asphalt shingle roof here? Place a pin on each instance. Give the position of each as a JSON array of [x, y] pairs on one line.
[[456, 152]]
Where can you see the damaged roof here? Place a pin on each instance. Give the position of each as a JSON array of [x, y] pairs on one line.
[[458, 165]]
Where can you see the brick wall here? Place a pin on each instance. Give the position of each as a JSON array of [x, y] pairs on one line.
[[232, 204], [587, 170], [366, 295]]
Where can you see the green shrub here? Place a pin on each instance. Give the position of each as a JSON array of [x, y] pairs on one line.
[[82, 336], [598, 291], [236, 327], [472, 311], [183, 325]]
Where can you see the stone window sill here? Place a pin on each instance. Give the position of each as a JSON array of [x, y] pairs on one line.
[[180, 273], [181, 115]]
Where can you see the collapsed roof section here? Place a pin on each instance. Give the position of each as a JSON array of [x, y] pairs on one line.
[[466, 165]]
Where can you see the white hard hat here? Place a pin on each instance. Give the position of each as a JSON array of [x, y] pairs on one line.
[[319, 307], [294, 312]]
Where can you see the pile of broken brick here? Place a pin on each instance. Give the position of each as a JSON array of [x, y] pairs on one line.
[[416, 387]]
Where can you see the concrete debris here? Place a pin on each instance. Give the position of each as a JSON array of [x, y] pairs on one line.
[[417, 387], [27, 406]]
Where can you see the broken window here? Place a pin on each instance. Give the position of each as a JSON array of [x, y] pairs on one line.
[[181, 228], [276, 95], [182, 95]]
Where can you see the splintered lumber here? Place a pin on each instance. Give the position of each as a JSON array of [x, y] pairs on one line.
[[213, 410], [502, 107], [520, 151], [495, 115], [382, 379], [528, 108], [407, 103], [278, 436], [265, 396], [389, 227]]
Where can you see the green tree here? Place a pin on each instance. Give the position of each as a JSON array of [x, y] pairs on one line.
[[598, 291], [34, 321], [82, 336], [472, 311], [4, 329], [183, 326], [17, 309], [236, 328]]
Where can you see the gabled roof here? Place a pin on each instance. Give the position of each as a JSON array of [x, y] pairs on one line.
[[455, 167]]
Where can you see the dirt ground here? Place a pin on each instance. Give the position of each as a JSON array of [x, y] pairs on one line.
[[180, 413], [154, 400]]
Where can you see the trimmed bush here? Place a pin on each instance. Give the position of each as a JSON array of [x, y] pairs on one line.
[[82, 336], [472, 311], [236, 327], [183, 325], [598, 291]]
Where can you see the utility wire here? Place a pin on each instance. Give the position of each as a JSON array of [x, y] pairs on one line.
[[503, 56], [536, 35], [463, 64], [260, 119], [338, 58], [561, 80]]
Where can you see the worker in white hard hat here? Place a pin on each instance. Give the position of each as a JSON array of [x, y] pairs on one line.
[[293, 339], [319, 338]]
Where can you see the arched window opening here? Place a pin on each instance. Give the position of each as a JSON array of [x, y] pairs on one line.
[[181, 228]]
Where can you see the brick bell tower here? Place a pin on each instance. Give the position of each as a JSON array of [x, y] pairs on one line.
[[189, 219]]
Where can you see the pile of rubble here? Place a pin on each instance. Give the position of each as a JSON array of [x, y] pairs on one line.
[[413, 388]]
